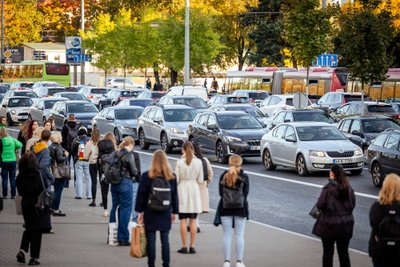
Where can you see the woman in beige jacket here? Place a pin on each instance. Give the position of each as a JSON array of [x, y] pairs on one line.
[[91, 154], [189, 174]]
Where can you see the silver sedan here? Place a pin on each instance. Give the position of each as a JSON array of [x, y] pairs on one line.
[[310, 147]]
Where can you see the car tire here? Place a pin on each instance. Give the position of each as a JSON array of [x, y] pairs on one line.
[[142, 141], [267, 161], [9, 120], [376, 174], [117, 136], [356, 172], [220, 154], [301, 166], [164, 144]]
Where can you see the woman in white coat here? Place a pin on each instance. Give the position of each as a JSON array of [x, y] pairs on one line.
[[189, 174]]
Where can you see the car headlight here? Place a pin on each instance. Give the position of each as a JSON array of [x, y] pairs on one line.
[[176, 131], [358, 152], [316, 153], [124, 128], [233, 139], [13, 111]]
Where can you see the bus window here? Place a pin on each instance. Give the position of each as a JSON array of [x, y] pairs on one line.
[[57, 69]]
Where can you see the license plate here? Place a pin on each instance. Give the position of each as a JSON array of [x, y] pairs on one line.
[[255, 148], [23, 117], [89, 126], [341, 161]]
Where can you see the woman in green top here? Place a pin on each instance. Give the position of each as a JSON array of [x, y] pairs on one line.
[[8, 147]]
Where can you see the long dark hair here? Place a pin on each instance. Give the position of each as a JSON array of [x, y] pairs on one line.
[[189, 151], [342, 179], [28, 163], [197, 151]]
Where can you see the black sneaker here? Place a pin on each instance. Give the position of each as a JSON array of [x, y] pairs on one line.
[[183, 251], [124, 243], [78, 198], [92, 204], [21, 257], [33, 262], [59, 213]]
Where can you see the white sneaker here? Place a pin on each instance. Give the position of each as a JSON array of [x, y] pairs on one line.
[[226, 264], [240, 264], [105, 214]]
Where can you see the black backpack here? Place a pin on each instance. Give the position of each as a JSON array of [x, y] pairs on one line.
[[111, 165], [205, 170], [388, 234], [71, 135], [160, 195], [233, 197]]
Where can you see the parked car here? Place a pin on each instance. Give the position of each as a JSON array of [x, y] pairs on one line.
[[191, 101], [248, 108], [300, 115], [310, 147], [165, 125], [383, 156], [154, 95], [227, 99], [274, 103], [114, 96], [255, 96], [27, 93], [370, 108], [122, 121], [84, 113], [189, 91], [3, 89], [48, 91], [227, 132], [15, 109], [41, 107], [44, 84], [137, 102], [72, 96], [94, 94], [120, 82], [333, 100], [21, 85]]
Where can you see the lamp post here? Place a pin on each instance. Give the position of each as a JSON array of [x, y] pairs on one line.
[[186, 79], [83, 29], [2, 31]]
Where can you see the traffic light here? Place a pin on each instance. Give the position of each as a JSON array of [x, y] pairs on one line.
[[39, 55]]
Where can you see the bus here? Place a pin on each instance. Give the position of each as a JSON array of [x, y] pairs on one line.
[[36, 71], [288, 80]]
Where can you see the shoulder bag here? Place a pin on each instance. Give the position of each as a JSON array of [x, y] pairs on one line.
[[45, 198]]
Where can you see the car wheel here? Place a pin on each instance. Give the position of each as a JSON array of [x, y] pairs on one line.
[[221, 157], [9, 120], [267, 161], [301, 166], [356, 172], [164, 144], [377, 175], [117, 136], [142, 141]]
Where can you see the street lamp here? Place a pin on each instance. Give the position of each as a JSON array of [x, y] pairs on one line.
[[83, 51], [186, 80]]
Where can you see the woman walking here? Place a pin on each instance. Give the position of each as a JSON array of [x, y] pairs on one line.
[[189, 174], [157, 221], [106, 146], [335, 224], [233, 213], [34, 139], [388, 204], [91, 154], [30, 184], [121, 193]]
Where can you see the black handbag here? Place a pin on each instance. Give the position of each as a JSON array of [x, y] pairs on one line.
[[61, 171], [315, 212], [45, 198]]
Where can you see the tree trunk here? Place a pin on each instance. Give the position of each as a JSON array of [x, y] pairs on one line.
[[105, 77], [173, 76], [294, 62], [156, 74], [124, 76], [362, 98]]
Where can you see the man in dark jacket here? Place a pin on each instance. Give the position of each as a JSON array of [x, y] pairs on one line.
[[42, 153], [81, 164], [69, 132]]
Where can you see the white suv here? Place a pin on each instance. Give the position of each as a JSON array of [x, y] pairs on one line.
[[15, 109], [119, 83]]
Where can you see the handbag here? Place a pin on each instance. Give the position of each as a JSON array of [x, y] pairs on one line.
[[138, 242], [315, 212], [61, 171], [45, 198], [18, 204]]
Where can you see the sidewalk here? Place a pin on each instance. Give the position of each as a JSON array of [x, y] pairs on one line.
[[80, 240]]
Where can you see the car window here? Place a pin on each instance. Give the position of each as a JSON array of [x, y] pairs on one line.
[[152, 113], [48, 104], [290, 133], [274, 100], [203, 120], [20, 102], [24, 93], [392, 142], [355, 109], [312, 116], [380, 140], [191, 102], [329, 99], [355, 126], [343, 109], [158, 115], [141, 103], [350, 98], [179, 114], [381, 109], [289, 116], [238, 121], [379, 125], [319, 133], [346, 126], [128, 114], [111, 114], [238, 99], [266, 101], [280, 117], [337, 99], [98, 91], [279, 131], [52, 91], [211, 121], [258, 95], [289, 101], [81, 108]]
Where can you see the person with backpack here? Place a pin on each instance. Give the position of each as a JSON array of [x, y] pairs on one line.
[[189, 174], [384, 216], [81, 164], [121, 192], [336, 222], [42, 154], [150, 205], [91, 154], [233, 208], [69, 132]]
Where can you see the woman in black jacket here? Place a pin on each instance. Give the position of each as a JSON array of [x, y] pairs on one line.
[[388, 203], [106, 146], [30, 184], [335, 224], [122, 193]]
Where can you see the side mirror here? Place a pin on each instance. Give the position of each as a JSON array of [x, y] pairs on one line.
[[286, 120], [291, 139], [212, 127], [360, 134], [158, 121], [109, 118]]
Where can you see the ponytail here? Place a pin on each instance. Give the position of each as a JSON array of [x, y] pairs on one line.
[[189, 151], [231, 176], [126, 142]]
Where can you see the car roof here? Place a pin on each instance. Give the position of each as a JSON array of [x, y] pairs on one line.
[[308, 123], [53, 98], [370, 103], [19, 97], [230, 112], [185, 96], [77, 102], [69, 93], [126, 107], [367, 117], [175, 106], [252, 91], [345, 93], [283, 96], [247, 105], [307, 111]]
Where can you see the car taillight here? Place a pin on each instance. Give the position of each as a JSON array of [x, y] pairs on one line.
[[21, 88], [90, 96], [120, 98], [252, 100]]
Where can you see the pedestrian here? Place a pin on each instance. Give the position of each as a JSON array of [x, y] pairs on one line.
[[42, 153], [81, 164], [189, 174], [205, 83], [135, 184], [233, 215], [121, 193], [157, 221], [69, 132], [22, 133], [48, 125], [3, 122], [33, 125], [148, 83], [34, 139], [8, 148], [388, 203], [214, 85], [106, 146], [335, 224], [59, 156], [30, 184], [91, 154]]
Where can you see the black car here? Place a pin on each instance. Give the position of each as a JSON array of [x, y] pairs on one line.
[[143, 102], [114, 96], [300, 115], [227, 132], [361, 130], [191, 101], [383, 156]]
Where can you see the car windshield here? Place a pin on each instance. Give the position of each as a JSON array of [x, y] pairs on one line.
[[128, 114], [26, 85], [50, 84], [381, 109], [81, 108], [3, 89], [50, 103], [28, 94], [258, 95], [349, 98], [141, 103], [99, 91], [157, 95], [20, 102], [319, 133], [74, 96], [377, 126], [251, 110], [191, 102], [312, 116], [179, 114], [238, 121], [237, 99], [52, 91]]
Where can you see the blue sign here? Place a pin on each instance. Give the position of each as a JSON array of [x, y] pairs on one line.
[[71, 54], [83, 58], [326, 60], [76, 42]]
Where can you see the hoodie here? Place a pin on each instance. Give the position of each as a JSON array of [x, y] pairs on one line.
[[42, 153], [64, 132], [8, 146]]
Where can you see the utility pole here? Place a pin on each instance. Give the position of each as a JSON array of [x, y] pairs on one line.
[[83, 50], [2, 31], [186, 80]]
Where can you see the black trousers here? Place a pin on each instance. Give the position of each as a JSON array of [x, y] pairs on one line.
[[34, 239], [93, 176], [104, 189], [342, 247]]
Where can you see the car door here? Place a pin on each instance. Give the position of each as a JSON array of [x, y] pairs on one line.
[[99, 120], [289, 147], [34, 110], [157, 125], [211, 133], [272, 105], [277, 144], [201, 130], [58, 117], [390, 155], [147, 123], [109, 122], [3, 108]]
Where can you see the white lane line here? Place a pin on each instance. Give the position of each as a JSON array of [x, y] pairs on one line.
[[273, 177]]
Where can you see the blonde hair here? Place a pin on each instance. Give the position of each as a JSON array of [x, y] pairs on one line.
[[3, 132], [189, 151], [160, 166], [126, 142], [95, 135], [390, 191], [231, 176], [38, 132], [110, 136], [56, 137]]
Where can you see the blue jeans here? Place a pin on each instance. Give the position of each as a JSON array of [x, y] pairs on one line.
[[135, 186], [122, 198], [151, 248], [240, 223], [8, 170], [82, 172], [58, 188]]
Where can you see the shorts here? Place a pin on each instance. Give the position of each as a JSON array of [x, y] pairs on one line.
[[183, 216]]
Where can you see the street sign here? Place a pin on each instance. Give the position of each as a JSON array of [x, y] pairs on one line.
[[7, 53], [73, 46], [39, 55], [83, 58], [326, 60]]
